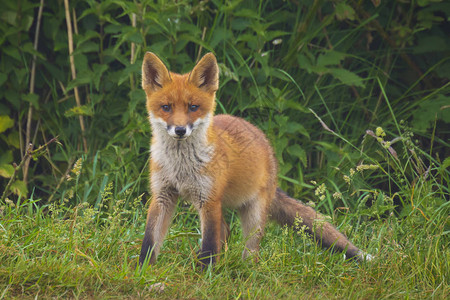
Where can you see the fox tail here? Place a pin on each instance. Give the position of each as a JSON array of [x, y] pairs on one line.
[[286, 210]]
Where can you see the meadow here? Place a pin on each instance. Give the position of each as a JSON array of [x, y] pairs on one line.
[[353, 95]]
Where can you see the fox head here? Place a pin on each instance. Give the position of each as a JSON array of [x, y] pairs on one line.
[[180, 105]]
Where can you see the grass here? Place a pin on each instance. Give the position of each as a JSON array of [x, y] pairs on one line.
[[55, 251]]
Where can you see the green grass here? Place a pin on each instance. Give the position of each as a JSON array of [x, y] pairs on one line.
[[54, 251]]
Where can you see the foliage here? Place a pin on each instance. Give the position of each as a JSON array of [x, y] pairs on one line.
[[354, 96]]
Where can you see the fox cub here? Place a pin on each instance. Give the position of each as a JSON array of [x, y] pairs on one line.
[[214, 162]]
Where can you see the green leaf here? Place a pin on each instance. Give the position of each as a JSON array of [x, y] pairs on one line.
[[445, 163], [344, 12], [221, 35], [240, 23], [19, 188], [87, 47], [347, 77], [304, 62], [83, 77], [431, 44], [99, 69], [296, 105], [134, 37], [3, 78], [13, 97], [13, 139], [426, 19], [330, 58], [298, 152], [280, 146], [29, 48], [271, 35], [295, 128], [82, 110], [130, 69], [6, 157], [113, 28], [5, 123], [247, 13], [12, 52], [33, 99], [6, 171], [9, 17], [430, 110]]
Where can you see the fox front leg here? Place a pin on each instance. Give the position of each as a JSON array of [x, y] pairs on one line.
[[159, 218], [213, 232]]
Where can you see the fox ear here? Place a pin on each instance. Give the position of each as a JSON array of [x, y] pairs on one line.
[[205, 74], [154, 73]]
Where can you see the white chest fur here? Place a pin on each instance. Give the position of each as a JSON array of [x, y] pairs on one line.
[[181, 162]]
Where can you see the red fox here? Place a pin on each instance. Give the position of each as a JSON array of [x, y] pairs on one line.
[[214, 162]]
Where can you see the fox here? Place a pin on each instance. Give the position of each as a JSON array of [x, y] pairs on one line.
[[215, 162]]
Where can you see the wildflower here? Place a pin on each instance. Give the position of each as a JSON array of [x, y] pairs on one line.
[[380, 132], [320, 189], [70, 194], [285, 230], [77, 167], [337, 195], [352, 172], [347, 179], [277, 41], [311, 204], [320, 221], [10, 202], [298, 221]]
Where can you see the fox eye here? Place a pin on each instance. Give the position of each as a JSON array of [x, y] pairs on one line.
[[193, 107], [165, 108]]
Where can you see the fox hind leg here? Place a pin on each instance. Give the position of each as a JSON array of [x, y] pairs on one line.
[[253, 220]]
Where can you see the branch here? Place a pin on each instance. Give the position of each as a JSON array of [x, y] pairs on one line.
[[28, 154]]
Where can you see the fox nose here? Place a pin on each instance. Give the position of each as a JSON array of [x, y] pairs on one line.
[[180, 131]]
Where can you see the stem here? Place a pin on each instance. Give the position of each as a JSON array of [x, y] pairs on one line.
[[201, 47], [28, 154], [73, 70], [26, 164], [61, 180], [133, 50]]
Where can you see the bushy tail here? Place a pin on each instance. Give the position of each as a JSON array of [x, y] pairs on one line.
[[284, 210]]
